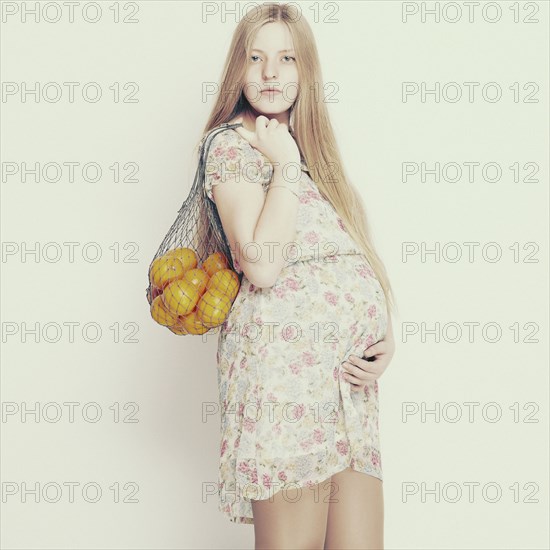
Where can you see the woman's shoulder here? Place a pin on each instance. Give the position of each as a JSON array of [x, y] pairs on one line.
[[228, 141], [222, 137]]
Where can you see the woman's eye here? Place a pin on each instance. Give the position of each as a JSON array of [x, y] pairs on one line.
[[284, 57]]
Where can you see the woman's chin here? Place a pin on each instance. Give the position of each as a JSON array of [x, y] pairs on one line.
[[270, 111]]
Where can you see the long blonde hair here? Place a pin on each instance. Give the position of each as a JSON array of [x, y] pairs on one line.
[[310, 123]]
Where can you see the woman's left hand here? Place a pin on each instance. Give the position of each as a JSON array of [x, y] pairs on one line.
[[360, 372]]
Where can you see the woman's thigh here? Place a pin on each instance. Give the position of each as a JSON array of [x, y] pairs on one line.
[[356, 512], [293, 518]]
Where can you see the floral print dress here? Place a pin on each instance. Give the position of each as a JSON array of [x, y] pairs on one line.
[[288, 417]]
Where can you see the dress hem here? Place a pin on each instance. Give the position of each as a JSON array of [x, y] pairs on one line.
[[249, 520]]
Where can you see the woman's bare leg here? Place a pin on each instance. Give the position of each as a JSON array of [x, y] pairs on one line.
[[356, 512], [294, 519]]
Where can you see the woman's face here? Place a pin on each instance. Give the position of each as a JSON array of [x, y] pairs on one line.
[[269, 66]]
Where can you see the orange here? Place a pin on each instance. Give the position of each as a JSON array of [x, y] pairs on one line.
[[180, 297], [214, 262], [165, 269], [213, 308], [178, 328], [193, 325], [226, 281], [160, 314], [197, 277], [186, 256]]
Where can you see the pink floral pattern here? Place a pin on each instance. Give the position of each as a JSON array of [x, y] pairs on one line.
[[289, 418]]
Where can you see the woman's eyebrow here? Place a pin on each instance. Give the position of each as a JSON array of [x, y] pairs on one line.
[[280, 51]]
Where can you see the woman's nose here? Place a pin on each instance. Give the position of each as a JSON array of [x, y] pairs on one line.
[[270, 71]]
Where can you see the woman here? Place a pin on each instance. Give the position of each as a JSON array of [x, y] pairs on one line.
[[300, 453]]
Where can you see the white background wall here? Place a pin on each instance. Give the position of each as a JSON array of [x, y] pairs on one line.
[[168, 453]]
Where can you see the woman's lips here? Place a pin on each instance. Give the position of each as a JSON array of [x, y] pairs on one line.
[[271, 91]]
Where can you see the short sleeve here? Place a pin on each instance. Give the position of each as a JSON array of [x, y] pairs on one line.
[[232, 158]]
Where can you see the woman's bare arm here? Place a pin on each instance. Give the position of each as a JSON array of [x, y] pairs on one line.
[[259, 225]]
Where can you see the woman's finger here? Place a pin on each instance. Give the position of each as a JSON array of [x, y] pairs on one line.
[[375, 349], [363, 364], [261, 125], [368, 376], [361, 374], [352, 379], [354, 371], [355, 383]]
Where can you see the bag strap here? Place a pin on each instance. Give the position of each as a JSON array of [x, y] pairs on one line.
[[207, 140], [197, 185]]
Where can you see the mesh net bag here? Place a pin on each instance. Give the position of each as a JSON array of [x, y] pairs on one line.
[[192, 279]]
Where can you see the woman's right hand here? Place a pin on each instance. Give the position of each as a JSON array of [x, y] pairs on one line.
[[273, 139]]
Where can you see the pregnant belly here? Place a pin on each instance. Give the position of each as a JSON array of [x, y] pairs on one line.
[[335, 306]]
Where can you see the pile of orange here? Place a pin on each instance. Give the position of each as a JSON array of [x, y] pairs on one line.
[[189, 299]]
